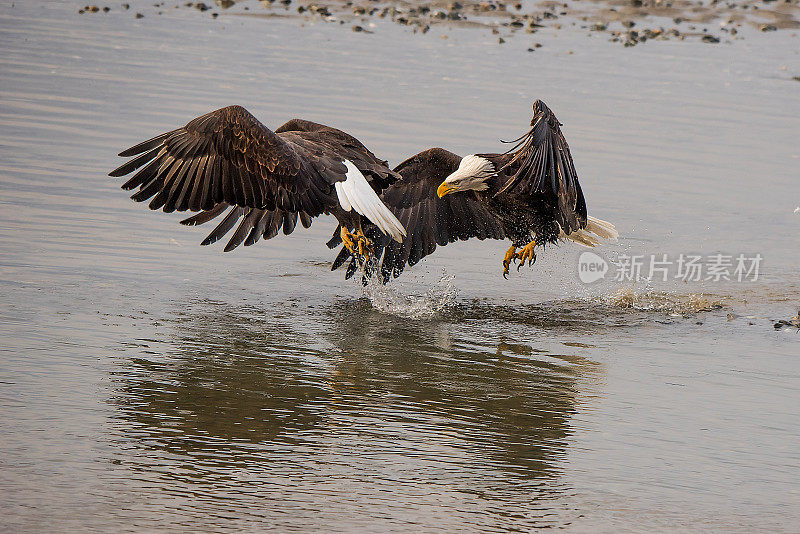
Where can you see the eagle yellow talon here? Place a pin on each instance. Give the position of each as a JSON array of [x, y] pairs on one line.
[[511, 254], [526, 253], [364, 247], [348, 239], [357, 243]]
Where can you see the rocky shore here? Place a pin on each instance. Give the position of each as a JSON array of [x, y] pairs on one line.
[[627, 22]]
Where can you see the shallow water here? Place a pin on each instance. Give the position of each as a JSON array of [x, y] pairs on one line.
[[148, 383]]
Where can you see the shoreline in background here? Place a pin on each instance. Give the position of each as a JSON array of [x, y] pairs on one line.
[[628, 22]]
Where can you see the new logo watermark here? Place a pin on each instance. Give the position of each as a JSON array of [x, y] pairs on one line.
[[591, 267], [683, 267]]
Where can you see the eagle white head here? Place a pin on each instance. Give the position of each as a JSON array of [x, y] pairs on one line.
[[471, 175]]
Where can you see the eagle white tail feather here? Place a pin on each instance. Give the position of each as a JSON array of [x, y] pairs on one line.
[[588, 236], [356, 193]]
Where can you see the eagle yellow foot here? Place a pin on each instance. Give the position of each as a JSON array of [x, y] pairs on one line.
[[526, 253], [357, 243], [511, 253]]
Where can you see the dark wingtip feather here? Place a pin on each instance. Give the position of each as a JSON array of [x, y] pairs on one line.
[[205, 215], [351, 269], [144, 146], [147, 191], [224, 227], [131, 165], [336, 239], [241, 232], [191, 221], [116, 173], [340, 258]]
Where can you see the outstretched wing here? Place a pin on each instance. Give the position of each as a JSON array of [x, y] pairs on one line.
[[540, 164], [428, 219], [229, 156]]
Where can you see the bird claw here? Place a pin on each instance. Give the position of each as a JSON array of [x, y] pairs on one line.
[[522, 257], [507, 259], [365, 249], [526, 253], [358, 245]]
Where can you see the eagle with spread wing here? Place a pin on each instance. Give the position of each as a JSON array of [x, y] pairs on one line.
[[227, 160], [529, 194]]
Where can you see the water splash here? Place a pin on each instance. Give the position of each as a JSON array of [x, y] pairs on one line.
[[648, 298], [391, 299]]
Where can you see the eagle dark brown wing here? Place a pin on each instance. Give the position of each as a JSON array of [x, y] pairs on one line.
[[254, 223], [540, 164], [428, 219], [227, 156]]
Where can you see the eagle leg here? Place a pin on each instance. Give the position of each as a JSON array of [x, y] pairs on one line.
[[349, 239], [357, 243], [511, 253], [526, 253]]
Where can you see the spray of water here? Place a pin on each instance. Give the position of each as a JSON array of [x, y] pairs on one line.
[[394, 300], [647, 298]]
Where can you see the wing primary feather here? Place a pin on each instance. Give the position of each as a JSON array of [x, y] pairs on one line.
[[289, 222], [135, 163], [241, 231], [351, 269], [182, 200], [222, 228], [226, 188], [258, 229], [247, 189], [143, 176], [274, 219], [168, 170], [205, 216], [336, 239], [181, 176], [145, 145], [236, 185], [195, 200], [148, 190], [340, 258]]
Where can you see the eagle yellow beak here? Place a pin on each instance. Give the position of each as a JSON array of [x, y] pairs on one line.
[[445, 189]]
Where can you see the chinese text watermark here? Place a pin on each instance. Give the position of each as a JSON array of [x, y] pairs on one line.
[[663, 267]]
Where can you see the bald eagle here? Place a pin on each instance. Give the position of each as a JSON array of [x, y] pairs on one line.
[[529, 194], [228, 160]]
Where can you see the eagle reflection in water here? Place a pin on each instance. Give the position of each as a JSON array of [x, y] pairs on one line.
[[245, 399]]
